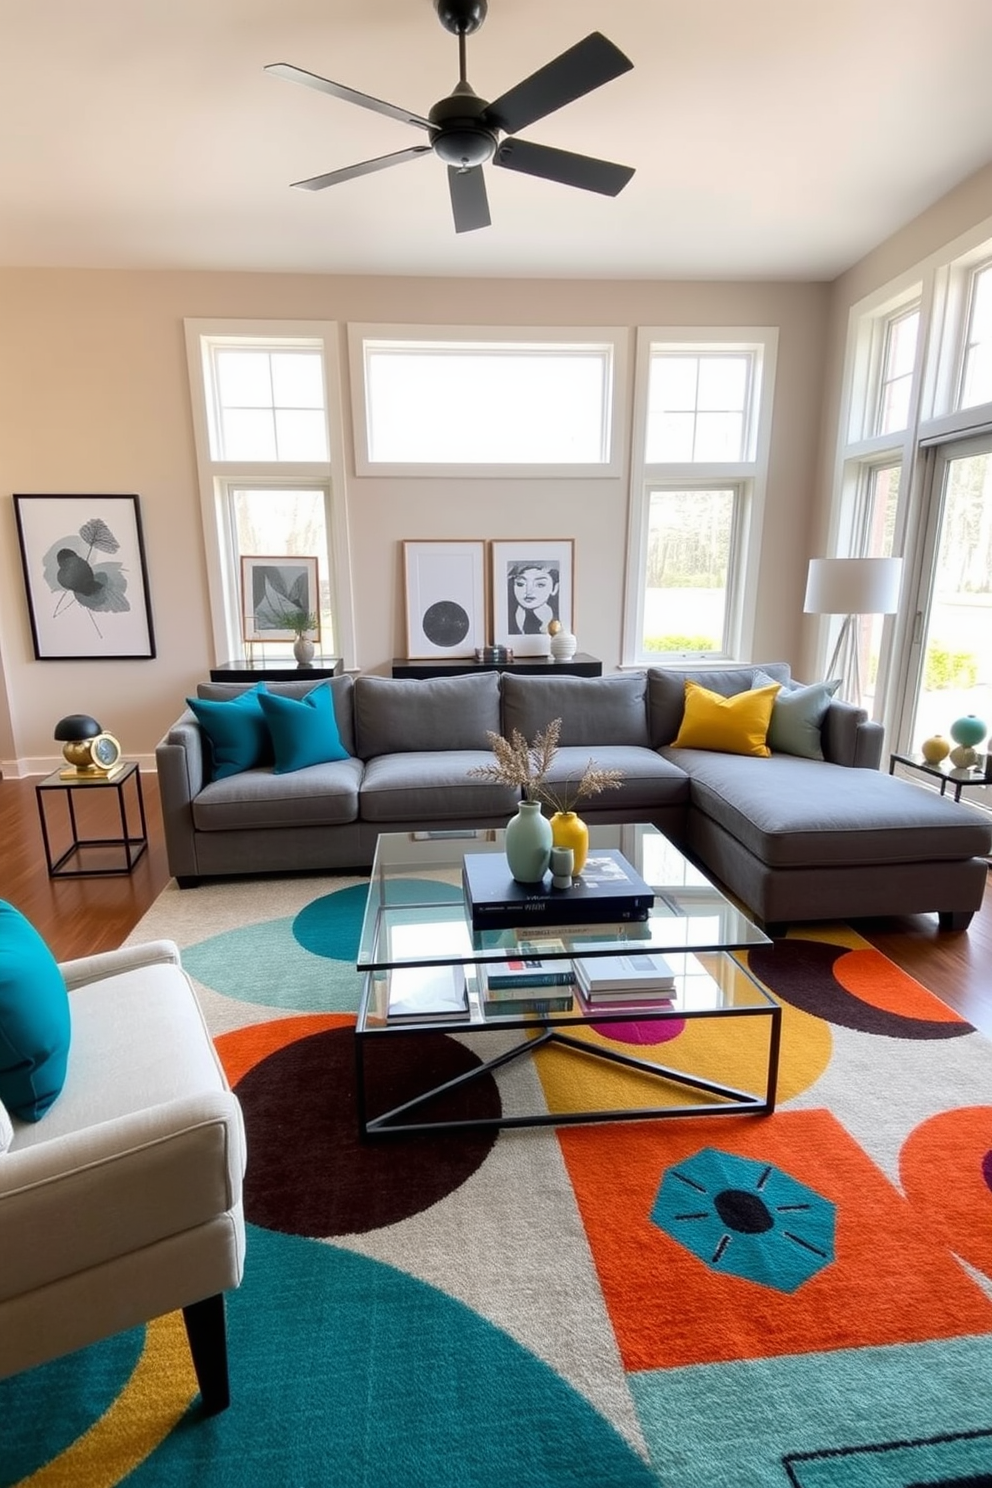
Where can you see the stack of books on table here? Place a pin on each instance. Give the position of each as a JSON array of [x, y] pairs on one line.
[[608, 891], [633, 981], [534, 981]]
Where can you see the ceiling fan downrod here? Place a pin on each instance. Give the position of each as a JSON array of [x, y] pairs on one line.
[[461, 138]]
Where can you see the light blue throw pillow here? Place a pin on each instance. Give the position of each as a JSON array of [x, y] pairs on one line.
[[34, 1019], [304, 731], [236, 732], [797, 717]]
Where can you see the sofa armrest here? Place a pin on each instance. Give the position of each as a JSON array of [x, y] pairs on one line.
[[180, 758], [96, 968], [850, 738]]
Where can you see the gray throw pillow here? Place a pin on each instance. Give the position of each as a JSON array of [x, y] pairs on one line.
[[797, 717]]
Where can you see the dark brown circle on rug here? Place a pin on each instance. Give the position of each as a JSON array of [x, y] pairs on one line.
[[800, 972], [308, 1172]]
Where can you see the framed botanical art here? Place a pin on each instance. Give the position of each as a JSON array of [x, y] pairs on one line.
[[280, 598], [445, 587], [531, 586], [85, 578]]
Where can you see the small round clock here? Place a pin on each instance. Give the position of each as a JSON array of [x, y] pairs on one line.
[[105, 751]]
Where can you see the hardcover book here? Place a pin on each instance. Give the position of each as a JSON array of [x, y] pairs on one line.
[[620, 976], [531, 967], [609, 889], [556, 1000], [604, 1007]]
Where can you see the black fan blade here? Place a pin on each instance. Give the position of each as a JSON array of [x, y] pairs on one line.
[[584, 171], [365, 168], [469, 202], [338, 90], [587, 65]]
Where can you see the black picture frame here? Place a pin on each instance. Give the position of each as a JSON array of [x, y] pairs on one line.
[[85, 577]]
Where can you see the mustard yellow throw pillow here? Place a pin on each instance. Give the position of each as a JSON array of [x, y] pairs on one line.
[[731, 725]]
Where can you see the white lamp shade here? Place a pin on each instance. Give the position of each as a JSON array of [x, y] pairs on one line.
[[853, 586]]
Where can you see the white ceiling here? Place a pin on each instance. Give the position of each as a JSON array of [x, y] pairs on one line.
[[771, 138]]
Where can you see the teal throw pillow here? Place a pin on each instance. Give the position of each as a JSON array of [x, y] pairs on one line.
[[797, 717], [34, 1019], [236, 732], [304, 731]]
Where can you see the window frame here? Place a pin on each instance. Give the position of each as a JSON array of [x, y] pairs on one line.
[[217, 477], [541, 338], [748, 477]]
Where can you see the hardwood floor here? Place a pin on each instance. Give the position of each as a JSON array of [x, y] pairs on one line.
[[78, 916]]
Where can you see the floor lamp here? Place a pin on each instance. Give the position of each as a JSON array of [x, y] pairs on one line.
[[851, 587]]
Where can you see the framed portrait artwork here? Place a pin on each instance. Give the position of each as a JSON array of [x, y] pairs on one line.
[[531, 586], [445, 588], [85, 577], [280, 597]]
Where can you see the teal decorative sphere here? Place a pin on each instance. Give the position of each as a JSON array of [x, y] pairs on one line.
[[969, 731]]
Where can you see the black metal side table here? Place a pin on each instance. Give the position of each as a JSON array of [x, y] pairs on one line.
[[128, 846], [945, 773]]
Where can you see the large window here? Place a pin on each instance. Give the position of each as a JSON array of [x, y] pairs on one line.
[[898, 365], [267, 422], [976, 381], [915, 480], [431, 401], [702, 420], [698, 406], [266, 404]]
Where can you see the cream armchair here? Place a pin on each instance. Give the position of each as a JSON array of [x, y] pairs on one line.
[[124, 1201]]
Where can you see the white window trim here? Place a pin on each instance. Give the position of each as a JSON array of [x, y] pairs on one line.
[[216, 476], [615, 337], [752, 475]]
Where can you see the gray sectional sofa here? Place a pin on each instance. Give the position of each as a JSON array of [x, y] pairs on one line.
[[794, 838]]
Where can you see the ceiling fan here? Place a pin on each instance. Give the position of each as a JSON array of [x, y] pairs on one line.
[[464, 130]]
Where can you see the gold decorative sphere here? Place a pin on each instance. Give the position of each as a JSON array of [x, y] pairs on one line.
[[554, 626]]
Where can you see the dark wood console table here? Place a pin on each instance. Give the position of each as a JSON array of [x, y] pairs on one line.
[[581, 665], [270, 670]]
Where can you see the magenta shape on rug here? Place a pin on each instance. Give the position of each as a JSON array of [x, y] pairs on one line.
[[650, 1031]]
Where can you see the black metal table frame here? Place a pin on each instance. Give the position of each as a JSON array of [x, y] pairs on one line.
[[132, 847], [732, 1102], [934, 772]]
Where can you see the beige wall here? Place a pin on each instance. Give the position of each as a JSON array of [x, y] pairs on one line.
[[94, 398]]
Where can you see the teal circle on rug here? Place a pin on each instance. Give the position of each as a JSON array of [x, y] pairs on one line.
[[345, 1370], [299, 963]]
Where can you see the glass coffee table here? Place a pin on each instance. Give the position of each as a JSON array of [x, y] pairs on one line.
[[416, 920]]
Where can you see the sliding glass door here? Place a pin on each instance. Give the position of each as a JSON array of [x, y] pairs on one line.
[[950, 654]]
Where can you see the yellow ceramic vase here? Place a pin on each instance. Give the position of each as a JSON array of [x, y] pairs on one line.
[[569, 830]]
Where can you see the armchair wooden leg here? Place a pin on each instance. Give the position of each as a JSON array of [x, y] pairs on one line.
[[206, 1329]]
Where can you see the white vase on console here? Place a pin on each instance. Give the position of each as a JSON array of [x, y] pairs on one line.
[[563, 644]]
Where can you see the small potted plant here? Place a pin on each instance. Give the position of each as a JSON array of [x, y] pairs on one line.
[[303, 623]]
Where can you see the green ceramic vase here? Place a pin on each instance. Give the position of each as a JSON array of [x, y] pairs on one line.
[[528, 843]]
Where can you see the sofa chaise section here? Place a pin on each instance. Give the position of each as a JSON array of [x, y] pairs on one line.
[[806, 839]]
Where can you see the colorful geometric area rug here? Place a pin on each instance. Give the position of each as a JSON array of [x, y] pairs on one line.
[[800, 1299]]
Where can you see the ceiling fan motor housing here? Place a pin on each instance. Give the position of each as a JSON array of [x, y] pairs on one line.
[[461, 138], [461, 17]]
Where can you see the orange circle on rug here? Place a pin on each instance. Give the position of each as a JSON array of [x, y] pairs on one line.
[[879, 982], [946, 1170]]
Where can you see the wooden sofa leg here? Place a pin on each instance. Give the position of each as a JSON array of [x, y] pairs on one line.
[[949, 919], [206, 1329]]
